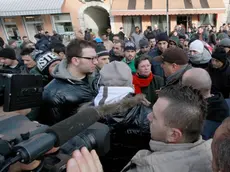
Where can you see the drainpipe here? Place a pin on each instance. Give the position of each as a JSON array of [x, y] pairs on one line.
[[111, 18], [167, 15]]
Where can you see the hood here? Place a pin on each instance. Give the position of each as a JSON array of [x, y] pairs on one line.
[[61, 72], [202, 58], [218, 108], [121, 106], [109, 95]]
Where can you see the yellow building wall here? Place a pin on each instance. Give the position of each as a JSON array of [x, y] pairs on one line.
[[146, 21], [48, 23], [118, 23], [20, 26]]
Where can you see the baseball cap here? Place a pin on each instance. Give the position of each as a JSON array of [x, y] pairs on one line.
[[173, 55]]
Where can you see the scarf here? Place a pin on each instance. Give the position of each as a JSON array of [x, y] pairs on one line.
[[108, 95], [141, 82]]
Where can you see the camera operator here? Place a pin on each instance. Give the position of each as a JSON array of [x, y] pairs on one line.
[[72, 84]]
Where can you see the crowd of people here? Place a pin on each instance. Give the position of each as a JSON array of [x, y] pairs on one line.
[[177, 85]]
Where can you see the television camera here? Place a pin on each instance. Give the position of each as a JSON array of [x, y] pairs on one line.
[[24, 140]]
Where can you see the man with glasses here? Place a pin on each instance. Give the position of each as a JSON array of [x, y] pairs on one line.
[[72, 84]]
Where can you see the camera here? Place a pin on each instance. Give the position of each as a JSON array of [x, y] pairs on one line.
[[24, 140]]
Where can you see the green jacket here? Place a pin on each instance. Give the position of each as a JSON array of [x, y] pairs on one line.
[[150, 91], [131, 64]]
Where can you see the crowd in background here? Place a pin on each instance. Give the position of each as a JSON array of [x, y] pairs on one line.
[[174, 91]]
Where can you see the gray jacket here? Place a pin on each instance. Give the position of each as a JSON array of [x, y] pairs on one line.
[[135, 38], [163, 157]]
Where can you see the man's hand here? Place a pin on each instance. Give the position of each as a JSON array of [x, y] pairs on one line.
[[84, 161]]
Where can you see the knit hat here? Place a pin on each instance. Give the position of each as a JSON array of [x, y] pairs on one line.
[[220, 54], [35, 54], [101, 51], [8, 53], [129, 46], [225, 42], [45, 60], [162, 37], [116, 74], [197, 45], [98, 40], [144, 43], [173, 55], [175, 39]]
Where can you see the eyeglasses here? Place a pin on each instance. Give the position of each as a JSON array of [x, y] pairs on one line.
[[93, 59]]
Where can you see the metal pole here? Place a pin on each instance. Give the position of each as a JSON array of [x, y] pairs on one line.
[[167, 15]]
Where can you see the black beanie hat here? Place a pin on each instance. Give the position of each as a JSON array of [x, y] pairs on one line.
[[101, 50], [8, 53], [162, 37], [220, 54], [45, 60]]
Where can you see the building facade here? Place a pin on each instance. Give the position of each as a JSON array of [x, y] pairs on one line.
[[67, 17]]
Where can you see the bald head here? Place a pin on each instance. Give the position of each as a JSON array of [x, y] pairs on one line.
[[199, 79]]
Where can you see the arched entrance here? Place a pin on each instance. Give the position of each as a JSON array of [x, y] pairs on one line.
[[95, 16], [96, 19]]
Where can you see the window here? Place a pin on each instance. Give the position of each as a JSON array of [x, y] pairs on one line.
[[9, 20], [129, 23], [33, 19], [63, 23], [160, 21], [10, 27]]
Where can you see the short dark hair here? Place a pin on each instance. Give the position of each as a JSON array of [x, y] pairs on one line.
[[24, 37], [120, 42], [187, 110], [26, 51], [137, 27], [59, 48], [104, 34], [222, 154], [75, 47], [142, 58]]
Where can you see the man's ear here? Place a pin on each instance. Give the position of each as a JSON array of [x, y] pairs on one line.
[[75, 61], [174, 135]]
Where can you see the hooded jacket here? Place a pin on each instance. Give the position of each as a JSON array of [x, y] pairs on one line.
[[126, 117], [220, 79], [164, 157], [63, 95], [218, 108], [201, 60]]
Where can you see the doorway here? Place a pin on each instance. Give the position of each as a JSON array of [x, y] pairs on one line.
[[97, 19], [185, 20]]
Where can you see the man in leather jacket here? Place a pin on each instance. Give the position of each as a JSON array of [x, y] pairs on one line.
[[72, 84]]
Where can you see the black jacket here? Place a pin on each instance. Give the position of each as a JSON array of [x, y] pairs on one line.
[[129, 130], [63, 95], [19, 69], [220, 79], [218, 108]]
